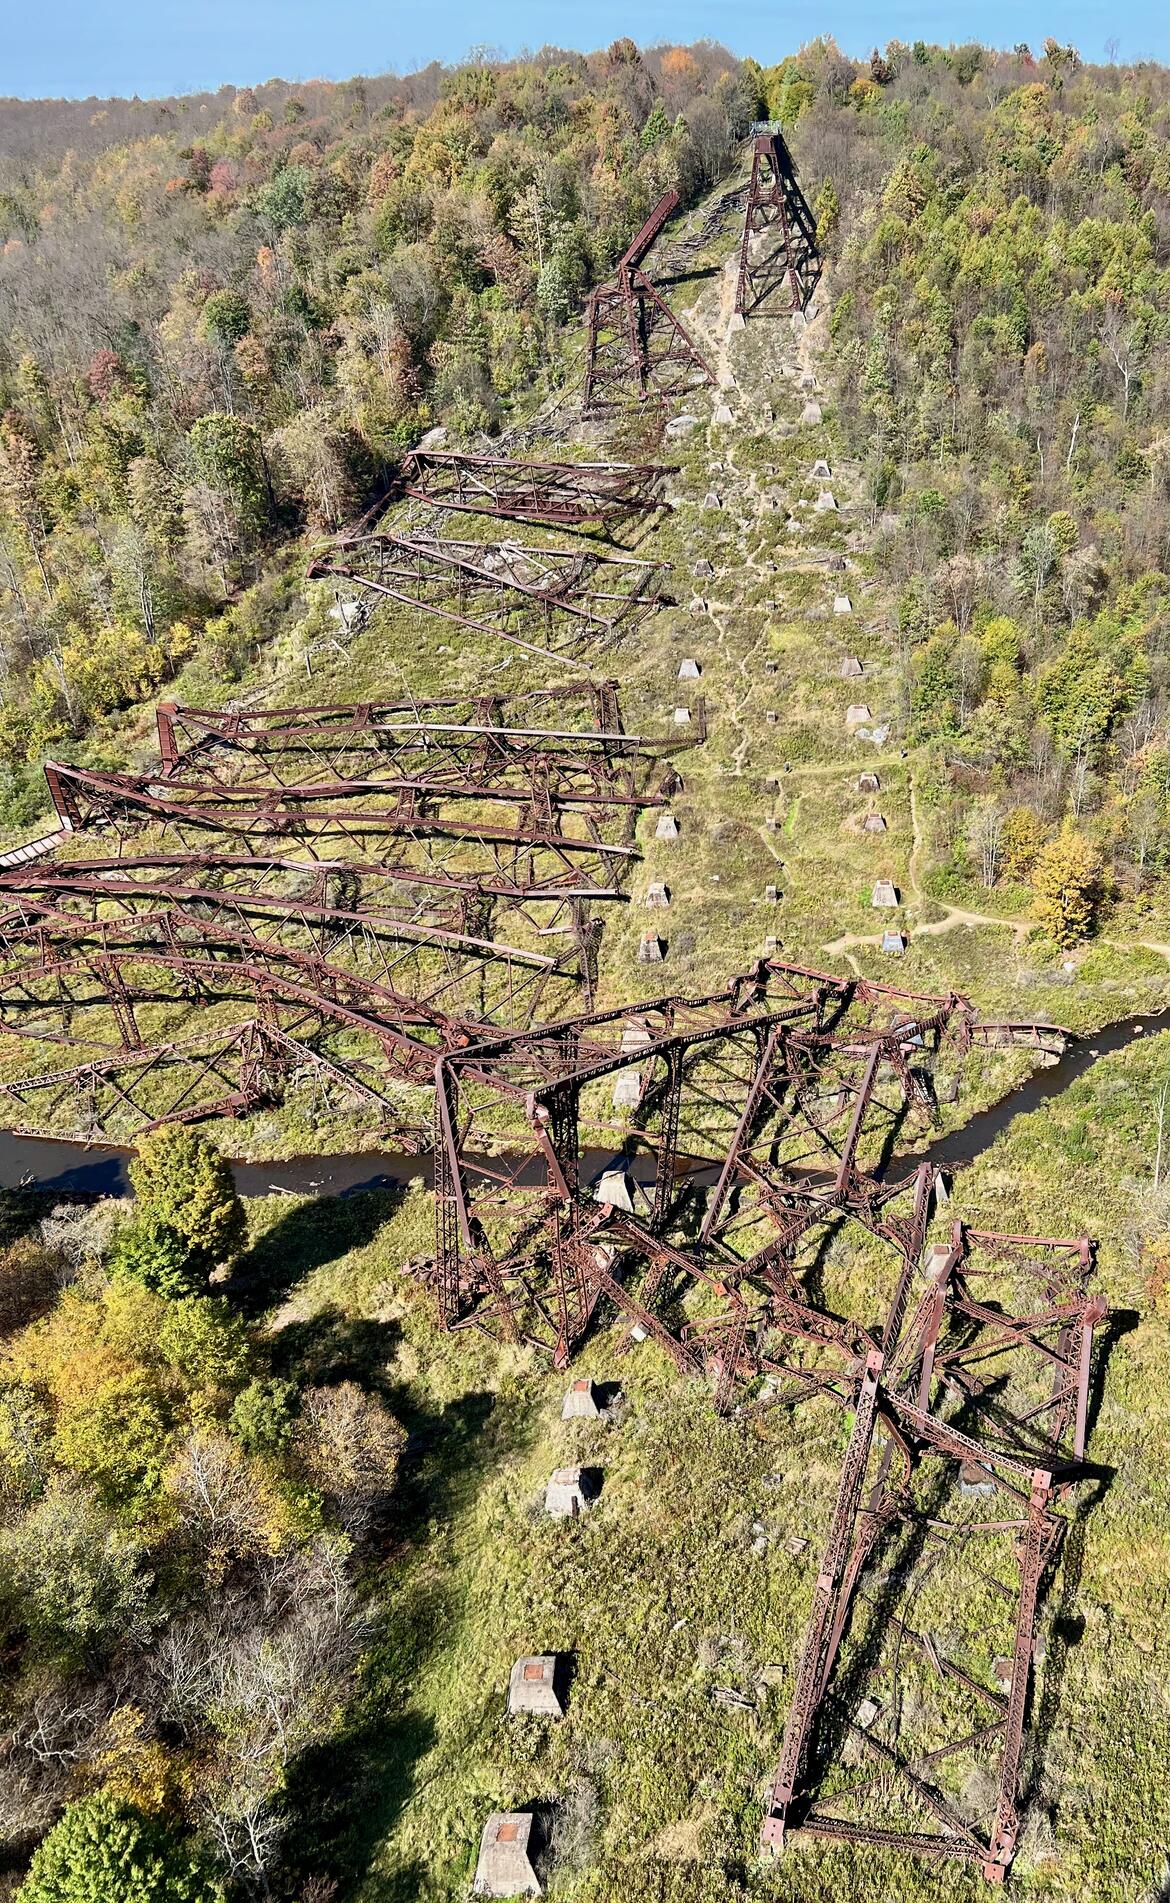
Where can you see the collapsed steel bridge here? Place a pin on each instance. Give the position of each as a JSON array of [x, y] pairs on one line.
[[771, 1115], [548, 602], [554, 494], [636, 348]]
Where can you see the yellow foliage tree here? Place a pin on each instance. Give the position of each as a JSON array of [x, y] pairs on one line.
[[1067, 884]]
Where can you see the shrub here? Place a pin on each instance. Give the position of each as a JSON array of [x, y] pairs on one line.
[[105, 1851]]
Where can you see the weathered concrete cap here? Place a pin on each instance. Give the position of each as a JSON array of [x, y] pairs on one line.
[[825, 502], [851, 668], [570, 1492], [874, 823], [894, 943], [615, 1188], [811, 412], [842, 605], [533, 1686], [651, 949], [884, 893], [581, 1402], [857, 715], [657, 897], [689, 669], [635, 1036], [682, 716], [505, 1866], [667, 827]]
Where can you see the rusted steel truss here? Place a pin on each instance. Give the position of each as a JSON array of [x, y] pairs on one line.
[[533, 722], [769, 1096], [778, 260], [969, 1426], [544, 601], [425, 847], [636, 348], [559, 495], [761, 1124], [143, 997]]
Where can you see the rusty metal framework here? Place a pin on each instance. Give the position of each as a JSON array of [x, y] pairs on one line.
[[761, 1124], [969, 1426], [381, 845], [177, 1016], [778, 259], [777, 1097], [548, 602], [636, 348], [767, 1121], [557, 494]]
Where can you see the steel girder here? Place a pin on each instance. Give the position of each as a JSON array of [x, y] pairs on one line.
[[524, 854], [778, 251], [771, 1092], [556, 494], [981, 1393], [477, 730], [548, 602], [140, 995], [475, 981], [636, 348]]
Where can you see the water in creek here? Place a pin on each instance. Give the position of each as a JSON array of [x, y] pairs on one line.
[[96, 1169]]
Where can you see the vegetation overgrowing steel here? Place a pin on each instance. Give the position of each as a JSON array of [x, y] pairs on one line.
[[556, 494], [543, 601]]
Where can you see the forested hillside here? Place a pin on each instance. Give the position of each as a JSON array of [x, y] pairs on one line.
[[224, 319]]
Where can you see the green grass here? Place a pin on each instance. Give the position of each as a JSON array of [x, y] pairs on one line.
[[658, 1594]]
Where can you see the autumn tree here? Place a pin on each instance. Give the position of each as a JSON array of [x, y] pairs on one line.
[[105, 1851], [1066, 881], [183, 1183]]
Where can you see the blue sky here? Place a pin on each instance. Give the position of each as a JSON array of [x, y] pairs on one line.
[[77, 48]]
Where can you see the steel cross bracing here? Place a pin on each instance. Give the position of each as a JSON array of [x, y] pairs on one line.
[[383, 838], [969, 1429], [542, 837], [474, 727], [636, 348], [545, 601], [598, 767], [140, 998], [807, 1068], [556, 494], [778, 260]]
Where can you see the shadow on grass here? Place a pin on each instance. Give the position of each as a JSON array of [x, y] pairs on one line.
[[345, 1797], [308, 1237]]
